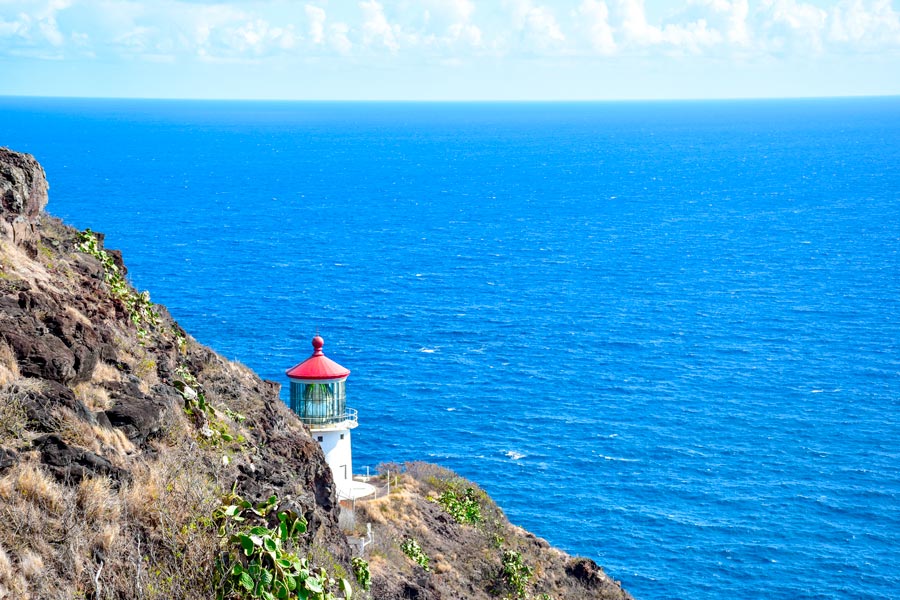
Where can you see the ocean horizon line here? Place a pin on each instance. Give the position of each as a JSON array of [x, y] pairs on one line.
[[464, 101]]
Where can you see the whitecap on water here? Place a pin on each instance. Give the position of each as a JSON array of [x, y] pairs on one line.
[[514, 455], [618, 459]]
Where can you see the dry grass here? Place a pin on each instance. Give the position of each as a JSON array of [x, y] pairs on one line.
[[74, 431], [114, 444], [49, 544], [32, 484], [153, 538], [9, 367], [97, 501], [12, 583], [106, 372], [400, 505], [93, 396], [19, 264], [31, 565], [13, 417], [172, 498]]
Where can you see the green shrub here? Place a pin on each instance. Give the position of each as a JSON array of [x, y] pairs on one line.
[[515, 574], [138, 305], [261, 562], [463, 508], [361, 571], [213, 430], [413, 550]]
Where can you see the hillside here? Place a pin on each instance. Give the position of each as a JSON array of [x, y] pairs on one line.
[[130, 453]]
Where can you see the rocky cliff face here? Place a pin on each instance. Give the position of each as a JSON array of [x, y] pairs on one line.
[[23, 193], [120, 435], [109, 473]]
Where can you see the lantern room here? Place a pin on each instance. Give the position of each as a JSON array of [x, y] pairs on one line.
[[318, 393]]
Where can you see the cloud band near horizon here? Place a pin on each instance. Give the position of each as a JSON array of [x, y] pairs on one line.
[[415, 35]]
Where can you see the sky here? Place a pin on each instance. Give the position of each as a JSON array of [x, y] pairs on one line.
[[449, 49]]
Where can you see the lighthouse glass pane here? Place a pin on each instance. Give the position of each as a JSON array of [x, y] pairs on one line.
[[318, 403]]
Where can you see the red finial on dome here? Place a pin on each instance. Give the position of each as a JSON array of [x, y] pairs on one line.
[[317, 343]]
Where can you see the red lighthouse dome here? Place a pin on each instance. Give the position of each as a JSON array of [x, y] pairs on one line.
[[318, 367]]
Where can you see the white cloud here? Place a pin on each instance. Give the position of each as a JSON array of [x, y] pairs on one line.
[[793, 25], [452, 11], [633, 23], [377, 31], [464, 33], [852, 22], [731, 16], [35, 23], [447, 31], [338, 38], [446, 24], [595, 16], [538, 25], [316, 17], [692, 36]]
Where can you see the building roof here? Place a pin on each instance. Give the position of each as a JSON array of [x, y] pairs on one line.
[[318, 366]]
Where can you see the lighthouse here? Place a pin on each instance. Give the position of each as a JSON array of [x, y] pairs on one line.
[[318, 397]]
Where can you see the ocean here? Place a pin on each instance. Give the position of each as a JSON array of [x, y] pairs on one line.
[[663, 335]]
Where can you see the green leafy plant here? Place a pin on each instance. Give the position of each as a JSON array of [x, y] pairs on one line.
[[413, 550], [180, 339], [212, 429], [515, 575], [140, 309], [361, 572], [259, 561], [192, 392], [464, 508]]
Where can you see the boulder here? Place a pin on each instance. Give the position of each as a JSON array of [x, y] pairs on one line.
[[7, 459], [71, 465], [587, 572], [59, 347], [23, 185], [23, 194], [42, 355], [40, 402], [138, 416]]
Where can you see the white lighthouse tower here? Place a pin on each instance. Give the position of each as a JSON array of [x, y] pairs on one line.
[[318, 398]]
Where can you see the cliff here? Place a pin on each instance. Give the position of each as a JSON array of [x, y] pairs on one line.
[[134, 460]]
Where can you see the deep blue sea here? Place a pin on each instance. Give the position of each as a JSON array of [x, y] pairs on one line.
[[662, 335]]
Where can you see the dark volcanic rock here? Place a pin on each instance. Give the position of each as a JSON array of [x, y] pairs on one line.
[[23, 196], [139, 416], [59, 348], [70, 464], [42, 355], [41, 402], [7, 459], [397, 588], [587, 572], [23, 185]]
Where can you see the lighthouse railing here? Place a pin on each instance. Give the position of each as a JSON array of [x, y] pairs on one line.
[[349, 414]]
